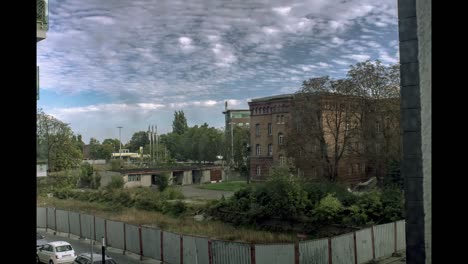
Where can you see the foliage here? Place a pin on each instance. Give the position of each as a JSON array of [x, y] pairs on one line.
[[116, 182], [56, 143], [86, 177], [162, 181], [328, 210], [179, 124]]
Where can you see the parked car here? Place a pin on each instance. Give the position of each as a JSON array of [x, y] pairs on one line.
[[57, 252], [85, 258], [40, 241]]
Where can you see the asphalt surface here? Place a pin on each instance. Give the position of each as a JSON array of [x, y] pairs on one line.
[[191, 192], [83, 246]]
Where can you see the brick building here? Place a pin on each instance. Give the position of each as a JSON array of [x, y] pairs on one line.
[[281, 135]]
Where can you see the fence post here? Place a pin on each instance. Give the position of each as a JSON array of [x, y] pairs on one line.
[[55, 223], [69, 227], [105, 231], [329, 251], [141, 242], [125, 239], [395, 231], [296, 253], [181, 249], [46, 218], [373, 242], [252, 254], [355, 247], [210, 252], [94, 224], [162, 246], [79, 221]]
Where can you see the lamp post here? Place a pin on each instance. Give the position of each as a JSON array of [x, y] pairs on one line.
[[120, 139]]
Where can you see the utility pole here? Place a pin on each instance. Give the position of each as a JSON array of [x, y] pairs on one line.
[[150, 137], [120, 139], [157, 146]]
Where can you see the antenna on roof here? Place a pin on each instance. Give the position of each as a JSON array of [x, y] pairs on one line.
[[225, 105]]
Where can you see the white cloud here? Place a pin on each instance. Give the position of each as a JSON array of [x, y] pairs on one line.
[[283, 11], [357, 57]]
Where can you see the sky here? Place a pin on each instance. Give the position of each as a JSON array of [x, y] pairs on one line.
[[125, 63]]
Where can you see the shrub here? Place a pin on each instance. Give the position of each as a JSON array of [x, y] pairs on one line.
[[393, 204], [177, 208], [172, 194], [328, 210], [116, 182], [162, 181]]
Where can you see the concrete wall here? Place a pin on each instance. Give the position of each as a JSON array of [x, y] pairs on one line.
[[415, 22], [423, 12]]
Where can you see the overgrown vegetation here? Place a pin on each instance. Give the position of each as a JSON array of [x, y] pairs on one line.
[[285, 203], [224, 186]]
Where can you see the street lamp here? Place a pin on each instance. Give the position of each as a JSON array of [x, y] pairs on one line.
[[120, 139]]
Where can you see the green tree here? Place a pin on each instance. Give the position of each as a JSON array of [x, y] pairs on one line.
[[179, 124], [139, 139], [55, 142]]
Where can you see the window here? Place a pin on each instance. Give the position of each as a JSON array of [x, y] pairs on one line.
[[241, 124], [377, 147], [269, 129], [63, 248], [258, 151], [315, 173], [135, 177], [259, 170], [281, 119], [247, 124], [363, 168], [377, 127], [257, 130], [277, 119], [280, 139], [347, 126], [282, 160], [270, 150]]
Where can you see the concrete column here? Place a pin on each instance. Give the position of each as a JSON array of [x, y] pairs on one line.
[[415, 23]]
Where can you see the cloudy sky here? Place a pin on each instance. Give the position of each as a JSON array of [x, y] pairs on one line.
[[133, 63]]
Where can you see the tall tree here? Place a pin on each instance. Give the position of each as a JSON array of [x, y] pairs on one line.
[[139, 139], [55, 141], [179, 124]]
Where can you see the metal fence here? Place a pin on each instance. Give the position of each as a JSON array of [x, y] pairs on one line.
[[358, 247]]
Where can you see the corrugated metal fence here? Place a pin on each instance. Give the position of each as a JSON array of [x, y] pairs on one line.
[[357, 247]]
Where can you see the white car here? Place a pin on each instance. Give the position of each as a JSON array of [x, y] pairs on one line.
[[58, 252]]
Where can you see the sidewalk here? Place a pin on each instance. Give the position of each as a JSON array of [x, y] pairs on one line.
[[399, 258]]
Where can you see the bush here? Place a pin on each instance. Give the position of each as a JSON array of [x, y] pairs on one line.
[[370, 204], [317, 191], [162, 181], [393, 203], [116, 182], [115, 164], [172, 194], [177, 208], [328, 210]]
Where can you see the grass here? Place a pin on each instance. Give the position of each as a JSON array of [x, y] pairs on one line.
[[224, 186], [182, 225]]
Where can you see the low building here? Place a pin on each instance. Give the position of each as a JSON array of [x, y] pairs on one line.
[[184, 175]]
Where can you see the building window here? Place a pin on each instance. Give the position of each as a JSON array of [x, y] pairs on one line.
[[258, 150], [259, 170], [347, 126], [241, 124], [135, 177], [257, 130], [377, 127], [270, 150], [277, 119], [281, 119], [315, 173], [363, 168], [247, 124], [377, 148], [269, 129], [280, 139], [282, 160]]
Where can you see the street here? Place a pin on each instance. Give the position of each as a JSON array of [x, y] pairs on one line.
[[83, 246]]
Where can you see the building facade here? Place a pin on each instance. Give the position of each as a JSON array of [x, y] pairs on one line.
[[310, 139], [268, 118]]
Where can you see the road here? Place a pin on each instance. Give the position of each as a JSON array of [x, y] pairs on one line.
[[82, 246], [191, 192]]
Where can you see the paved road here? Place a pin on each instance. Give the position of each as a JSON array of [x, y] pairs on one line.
[[82, 246], [190, 192]]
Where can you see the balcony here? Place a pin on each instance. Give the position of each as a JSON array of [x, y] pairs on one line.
[[42, 19]]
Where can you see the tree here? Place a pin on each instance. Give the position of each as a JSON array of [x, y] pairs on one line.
[[55, 143], [139, 139], [179, 124], [240, 146], [378, 87]]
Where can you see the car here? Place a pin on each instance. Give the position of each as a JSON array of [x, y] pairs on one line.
[[40, 241], [85, 258], [57, 252]]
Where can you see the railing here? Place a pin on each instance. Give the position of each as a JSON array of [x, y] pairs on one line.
[[42, 15]]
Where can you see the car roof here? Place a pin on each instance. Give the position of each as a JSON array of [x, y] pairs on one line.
[[59, 243], [96, 256]]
